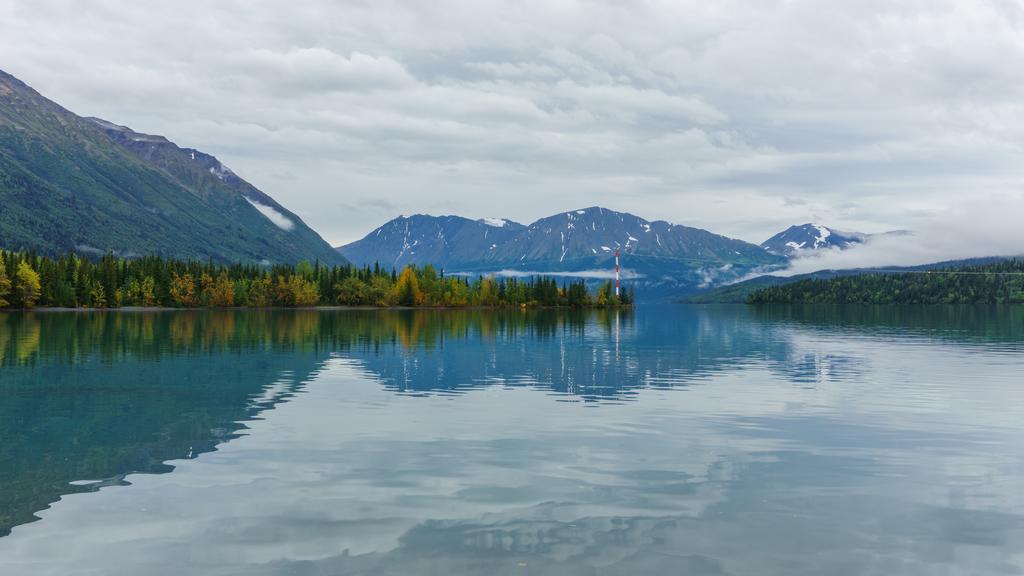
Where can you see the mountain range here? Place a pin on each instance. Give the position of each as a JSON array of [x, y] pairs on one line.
[[69, 183], [657, 257], [72, 183]]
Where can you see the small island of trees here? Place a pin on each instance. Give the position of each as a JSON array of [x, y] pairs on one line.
[[29, 280]]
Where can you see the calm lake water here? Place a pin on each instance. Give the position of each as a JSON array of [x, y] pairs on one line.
[[668, 440]]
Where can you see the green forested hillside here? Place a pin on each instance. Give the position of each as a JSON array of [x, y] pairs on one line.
[[67, 184], [995, 283]]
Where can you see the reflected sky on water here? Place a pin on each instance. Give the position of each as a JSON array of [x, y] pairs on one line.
[[676, 439]]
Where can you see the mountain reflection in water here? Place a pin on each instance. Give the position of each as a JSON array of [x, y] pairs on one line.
[[720, 440]]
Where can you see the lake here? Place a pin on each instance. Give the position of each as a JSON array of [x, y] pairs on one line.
[[667, 440]]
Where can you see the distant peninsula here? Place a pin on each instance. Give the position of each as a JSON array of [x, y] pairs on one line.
[[995, 283]]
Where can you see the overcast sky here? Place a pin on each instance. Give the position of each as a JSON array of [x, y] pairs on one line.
[[741, 117]]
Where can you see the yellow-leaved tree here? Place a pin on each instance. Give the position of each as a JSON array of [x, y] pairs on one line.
[[183, 290], [261, 291], [205, 289], [26, 285], [223, 291], [407, 288], [147, 292], [304, 292], [488, 292], [283, 294]]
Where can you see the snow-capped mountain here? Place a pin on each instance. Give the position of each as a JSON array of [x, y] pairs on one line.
[[589, 237], [443, 241], [808, 237], [654, 254]]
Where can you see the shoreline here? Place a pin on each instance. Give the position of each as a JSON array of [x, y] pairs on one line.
[[334, 308]]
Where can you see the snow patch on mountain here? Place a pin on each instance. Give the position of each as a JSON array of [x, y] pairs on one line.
[[624, 274], [823, 235], [496, 222], [221, 171]]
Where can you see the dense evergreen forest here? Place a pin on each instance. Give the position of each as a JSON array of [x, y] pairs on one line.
[[997, 283], [28, 280]]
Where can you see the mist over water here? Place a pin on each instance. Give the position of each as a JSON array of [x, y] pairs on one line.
[[674, 439]]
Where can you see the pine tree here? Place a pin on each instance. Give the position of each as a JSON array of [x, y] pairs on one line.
[[147, 292], [5, 286], [98, 296]]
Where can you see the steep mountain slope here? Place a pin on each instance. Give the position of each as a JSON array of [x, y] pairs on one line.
[[72, 183], [808, 237], [658, 258]]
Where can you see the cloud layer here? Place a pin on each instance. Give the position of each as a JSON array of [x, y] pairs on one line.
[[971, 228], [739, 116], [276, 218]]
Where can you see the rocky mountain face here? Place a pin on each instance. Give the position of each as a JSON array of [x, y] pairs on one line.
[[590, 236], [658, 258], [69, 183], [444, 241], [809, 237]]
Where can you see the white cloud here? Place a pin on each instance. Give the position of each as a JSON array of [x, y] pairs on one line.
[[740, 117], [276, 218], [317, 69], [624, 274], [969, 229]]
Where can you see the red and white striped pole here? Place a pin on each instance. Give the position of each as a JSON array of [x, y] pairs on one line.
[[616, 274]]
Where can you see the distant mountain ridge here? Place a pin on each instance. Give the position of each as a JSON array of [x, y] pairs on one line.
[[439, 240], [809, 237], [69, 183], [656, 254]]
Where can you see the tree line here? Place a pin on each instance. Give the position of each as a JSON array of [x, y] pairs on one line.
[[28, 280], [997, 283]]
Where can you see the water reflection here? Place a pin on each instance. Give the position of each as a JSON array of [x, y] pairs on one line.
[[595, 355], [963, 324], [727, 440], [86, 399]]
